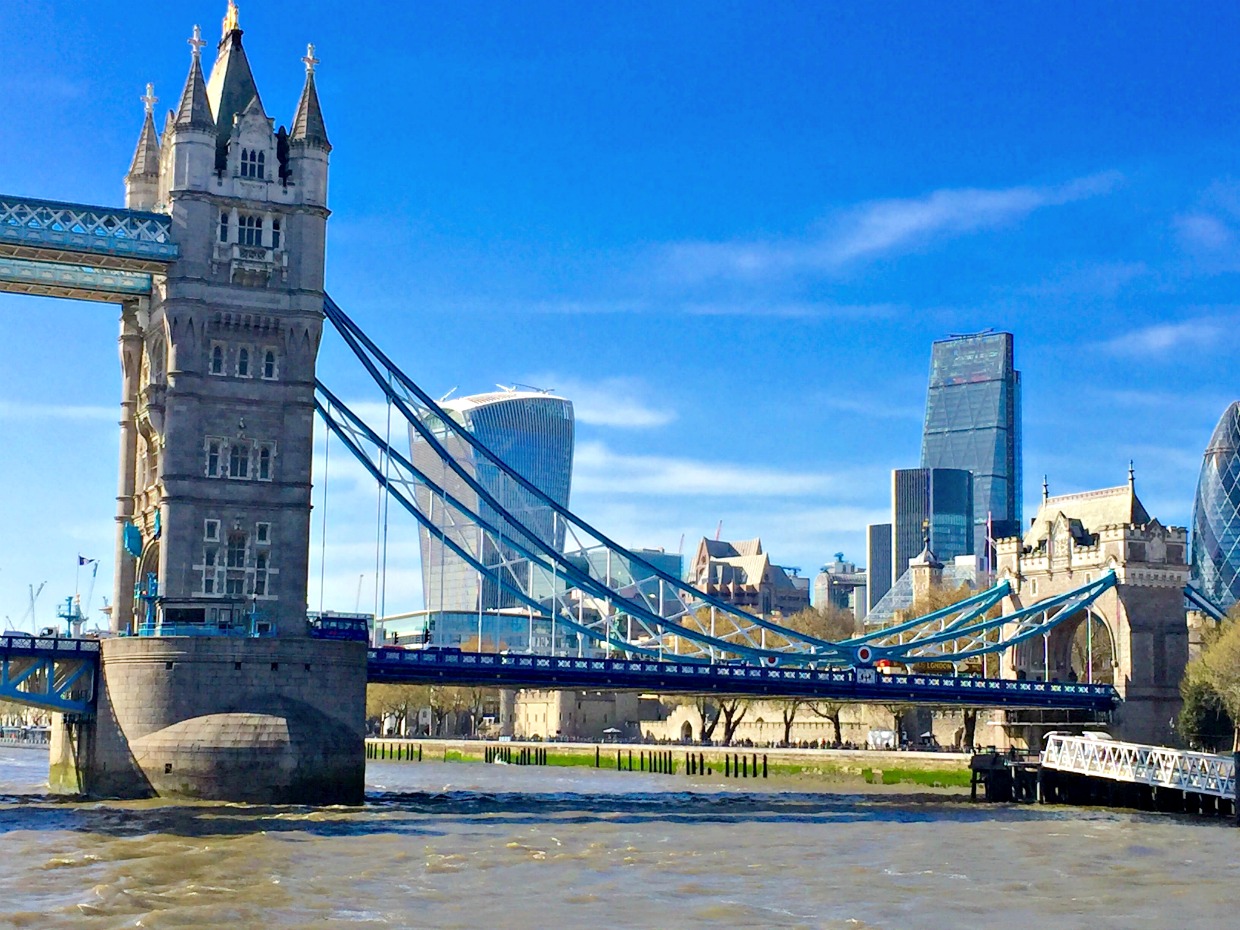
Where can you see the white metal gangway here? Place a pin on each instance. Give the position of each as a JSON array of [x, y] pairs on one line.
[[1158, 766]]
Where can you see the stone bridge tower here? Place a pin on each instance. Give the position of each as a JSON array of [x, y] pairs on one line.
[[1134, 636], [213, 514]]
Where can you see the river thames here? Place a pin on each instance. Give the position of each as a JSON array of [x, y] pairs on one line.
[[488, 846]]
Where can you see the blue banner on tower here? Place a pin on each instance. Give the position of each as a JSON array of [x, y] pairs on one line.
[[133, 540]]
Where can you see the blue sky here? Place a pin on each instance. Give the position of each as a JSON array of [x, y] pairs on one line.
[[729, 232]]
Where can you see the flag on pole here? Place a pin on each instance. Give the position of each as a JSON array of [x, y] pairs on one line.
[[82, 560]]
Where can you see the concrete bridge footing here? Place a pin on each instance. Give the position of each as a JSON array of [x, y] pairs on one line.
[[277, 721]]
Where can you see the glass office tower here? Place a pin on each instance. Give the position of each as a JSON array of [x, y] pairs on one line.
[[877, 563], [1216, 515], [973, 423], [532, 432], [937, 502]]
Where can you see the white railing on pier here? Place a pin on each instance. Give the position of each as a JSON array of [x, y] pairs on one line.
[[1198, 772]]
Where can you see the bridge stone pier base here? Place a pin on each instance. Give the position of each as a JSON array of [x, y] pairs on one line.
[[273, 720]]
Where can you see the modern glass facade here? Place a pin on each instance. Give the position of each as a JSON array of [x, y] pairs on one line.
[[532, 432], [938, 501], [1216, 515], [973, 422], [877, 563]]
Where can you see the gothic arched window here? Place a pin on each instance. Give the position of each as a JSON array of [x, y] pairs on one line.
[[239, 460], [243, 362], [217, 359], [269, 365], [262, 161], [252, 163]]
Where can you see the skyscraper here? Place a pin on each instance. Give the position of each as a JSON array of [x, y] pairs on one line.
[[973, 422], [877, 563], [532, 432], [937, 502], [1216, 514]]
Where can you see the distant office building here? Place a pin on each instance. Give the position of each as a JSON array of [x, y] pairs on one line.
[[532, 432], [842, 585], [937, 502], [878, 563], [1216, 514], [741, 574], [973, 422]]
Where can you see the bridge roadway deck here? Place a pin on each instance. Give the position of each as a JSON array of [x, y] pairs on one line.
[[389, 666]]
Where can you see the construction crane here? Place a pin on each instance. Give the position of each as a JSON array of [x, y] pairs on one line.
[[34, 595]]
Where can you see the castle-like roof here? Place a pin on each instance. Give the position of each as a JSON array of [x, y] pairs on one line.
[[1091, 510]]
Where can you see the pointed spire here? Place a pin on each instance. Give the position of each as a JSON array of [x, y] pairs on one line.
[[145, 162], [1132, 476], [231, 87], [194, 112], [231, 20], [1046, 490], [308, 125]]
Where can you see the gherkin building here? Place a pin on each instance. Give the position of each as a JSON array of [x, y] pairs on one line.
[[1216, 514]]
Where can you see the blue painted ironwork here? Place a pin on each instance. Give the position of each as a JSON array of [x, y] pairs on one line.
[[625, 615], [1199, 601], [53, 673], [387, 666], [623, 587], [80, 282], [103, 236], [960, 641]]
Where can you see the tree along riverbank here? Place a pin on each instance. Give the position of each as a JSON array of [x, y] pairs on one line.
[[925, 769]]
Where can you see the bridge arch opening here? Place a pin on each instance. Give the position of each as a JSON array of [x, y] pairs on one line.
[[1081, 648]]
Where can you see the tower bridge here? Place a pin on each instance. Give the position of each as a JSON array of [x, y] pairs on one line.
[[211, 686]]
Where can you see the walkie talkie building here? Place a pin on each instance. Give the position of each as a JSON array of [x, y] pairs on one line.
[[973, 422], [532, 431]]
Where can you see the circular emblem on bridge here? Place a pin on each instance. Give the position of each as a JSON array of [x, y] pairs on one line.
[[864, 655]]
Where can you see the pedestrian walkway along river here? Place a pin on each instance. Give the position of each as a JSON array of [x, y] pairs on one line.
[[491, 846]]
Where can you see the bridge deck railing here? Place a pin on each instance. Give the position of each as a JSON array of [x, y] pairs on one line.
[[1198, 772]]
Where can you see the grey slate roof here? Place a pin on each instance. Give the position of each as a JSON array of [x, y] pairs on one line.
[[308, 126], [194, 112], [145, 163]]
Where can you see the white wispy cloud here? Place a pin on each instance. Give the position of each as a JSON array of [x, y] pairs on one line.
[[20, 410], [1205, 232], [1163, 338], [877, 228], [598, 469], [614, 402]]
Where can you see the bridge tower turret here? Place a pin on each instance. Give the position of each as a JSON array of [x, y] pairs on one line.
[[216, 446], [142, 180]]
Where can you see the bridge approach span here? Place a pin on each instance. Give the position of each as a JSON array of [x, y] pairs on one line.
[[396, 666], [50, 672]]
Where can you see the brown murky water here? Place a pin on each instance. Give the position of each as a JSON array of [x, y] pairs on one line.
[[476, 846]]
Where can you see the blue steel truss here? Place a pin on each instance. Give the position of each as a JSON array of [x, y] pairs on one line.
[[49, 672], [79, 282], [75, 233], [629, 607], [392, 666], [1199, 601]]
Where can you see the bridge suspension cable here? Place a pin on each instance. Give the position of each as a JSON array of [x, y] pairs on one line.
[[597, 588]]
